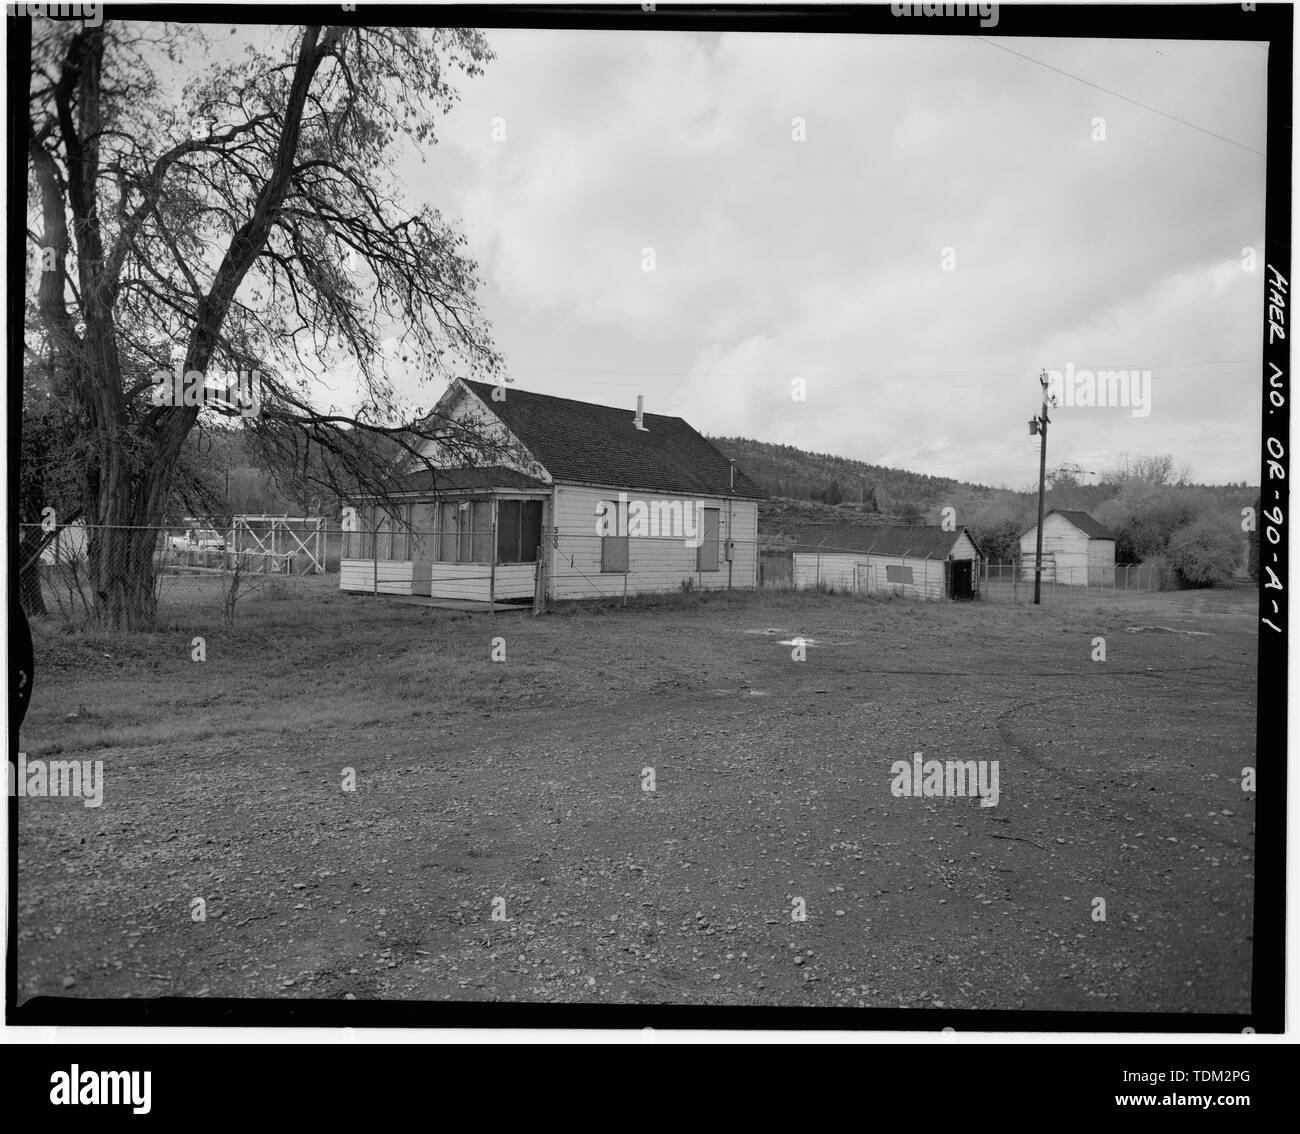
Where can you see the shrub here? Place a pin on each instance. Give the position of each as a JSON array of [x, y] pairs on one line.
[[1144, 517], [1203, 553]]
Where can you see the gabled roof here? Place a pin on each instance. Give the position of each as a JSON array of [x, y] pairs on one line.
[[1081, 520], [920, 540], [578, 442]]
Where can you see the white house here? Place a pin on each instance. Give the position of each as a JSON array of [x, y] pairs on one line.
[[916, 561], [581, 500], [1077, 550]]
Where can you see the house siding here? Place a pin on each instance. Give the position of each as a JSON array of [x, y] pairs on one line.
[[395, 576], [500, 446], [860, 572], [654, 564]]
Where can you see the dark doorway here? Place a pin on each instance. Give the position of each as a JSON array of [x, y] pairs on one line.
[[961, 576]]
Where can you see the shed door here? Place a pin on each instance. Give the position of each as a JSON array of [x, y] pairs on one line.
[[963, 578], [707, 555]]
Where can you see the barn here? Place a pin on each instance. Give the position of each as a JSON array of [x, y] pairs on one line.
[[915, 561], [560, 499], [1077, 550]]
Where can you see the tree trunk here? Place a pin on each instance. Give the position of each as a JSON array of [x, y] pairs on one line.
[[122, 547], [123, 577]]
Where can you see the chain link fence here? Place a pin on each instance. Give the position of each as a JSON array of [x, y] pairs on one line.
[[1014, 582], [997, 582], [196, 567], [211, 570]]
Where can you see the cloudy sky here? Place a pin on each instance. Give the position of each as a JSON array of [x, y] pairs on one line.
[[823, 258]]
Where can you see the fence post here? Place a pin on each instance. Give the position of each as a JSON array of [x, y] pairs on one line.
[[374, 551]]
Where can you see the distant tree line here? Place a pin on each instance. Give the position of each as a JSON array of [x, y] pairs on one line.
[[1159, 515]]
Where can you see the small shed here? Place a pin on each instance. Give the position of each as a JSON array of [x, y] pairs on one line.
[[1077, 550], [916, 561]]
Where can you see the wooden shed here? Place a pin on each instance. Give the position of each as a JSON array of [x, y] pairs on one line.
[[1077, 550], [915, 561]]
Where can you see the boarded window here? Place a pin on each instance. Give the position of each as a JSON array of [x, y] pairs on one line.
[[614, 548], [613, 553], [706, 557], [895, 573]]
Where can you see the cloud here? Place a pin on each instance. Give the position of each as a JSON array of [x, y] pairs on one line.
[[824, 257]]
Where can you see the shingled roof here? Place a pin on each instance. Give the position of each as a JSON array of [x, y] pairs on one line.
[[1081, 520], [465, 479], [919, 540], [590, 444]]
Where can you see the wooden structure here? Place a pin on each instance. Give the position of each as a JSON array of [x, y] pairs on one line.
[[278, 544], [1077, 550], [567, 500], [913, 561]]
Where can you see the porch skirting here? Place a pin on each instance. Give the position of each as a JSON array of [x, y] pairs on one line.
[[470, 581]]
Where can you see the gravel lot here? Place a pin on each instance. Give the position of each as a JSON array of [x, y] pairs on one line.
[[517, 788]]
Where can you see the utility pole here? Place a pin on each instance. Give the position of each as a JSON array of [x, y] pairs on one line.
[[1039, 425]]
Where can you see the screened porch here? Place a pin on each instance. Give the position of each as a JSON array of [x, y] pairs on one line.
[[481, 548]]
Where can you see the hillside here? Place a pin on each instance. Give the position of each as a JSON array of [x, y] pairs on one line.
[[821, 492]]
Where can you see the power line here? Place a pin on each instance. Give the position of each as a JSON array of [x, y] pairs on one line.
[[893, 373], [1125, 98]]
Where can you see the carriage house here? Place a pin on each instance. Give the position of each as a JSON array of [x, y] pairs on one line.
[[532, 493]]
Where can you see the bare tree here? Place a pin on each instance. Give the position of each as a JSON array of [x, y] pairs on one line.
[[219, 232], [1157, 470]]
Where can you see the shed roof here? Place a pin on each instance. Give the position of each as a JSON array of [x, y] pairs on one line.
[[1081, 520], [590, 444], [920, 540]]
